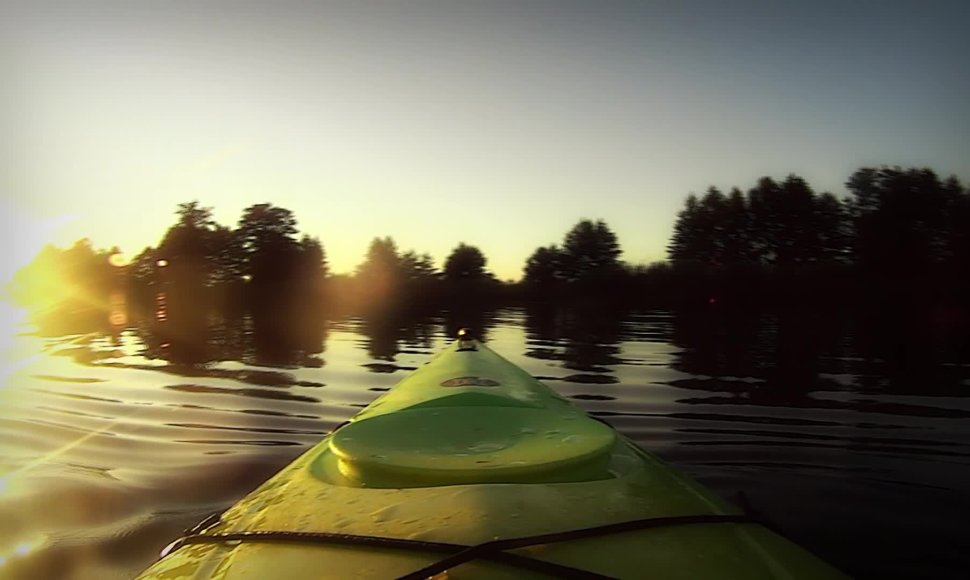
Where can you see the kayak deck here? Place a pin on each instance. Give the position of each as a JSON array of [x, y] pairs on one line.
[[470, 449]]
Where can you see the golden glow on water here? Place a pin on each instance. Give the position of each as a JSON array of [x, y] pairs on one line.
[[81, 471], [19, 350], [49, 457], [12, 319], [118, 316], [161, 307], [16, 351]]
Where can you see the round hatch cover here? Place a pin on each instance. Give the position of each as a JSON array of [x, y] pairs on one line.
[[468, 444]]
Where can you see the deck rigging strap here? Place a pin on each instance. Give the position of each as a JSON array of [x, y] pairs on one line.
[[495, 550], [499, 546], [515, 560]]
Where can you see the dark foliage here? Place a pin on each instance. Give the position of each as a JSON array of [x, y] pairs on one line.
[[544, 271], [902, 235], [911, 232], [585, 267], [466, 264], [901, 239]]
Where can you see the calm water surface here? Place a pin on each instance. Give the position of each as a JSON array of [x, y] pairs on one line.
[[854, 442]]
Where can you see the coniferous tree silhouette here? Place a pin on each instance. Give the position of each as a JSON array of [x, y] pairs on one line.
[[590, 254], [910, 232]]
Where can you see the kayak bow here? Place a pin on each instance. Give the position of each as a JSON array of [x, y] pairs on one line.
[[471, 468]]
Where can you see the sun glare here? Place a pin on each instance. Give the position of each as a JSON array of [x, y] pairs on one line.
[[18, 257], [24, 236], [43, 289]]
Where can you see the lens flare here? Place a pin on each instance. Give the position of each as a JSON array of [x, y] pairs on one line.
[[23, 549], [118, 260]]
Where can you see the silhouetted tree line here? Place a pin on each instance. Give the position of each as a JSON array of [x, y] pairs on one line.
[[263, 276], [901, 235], [388, 280], [203, 272]]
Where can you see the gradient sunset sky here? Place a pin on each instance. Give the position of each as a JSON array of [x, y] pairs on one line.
[[499, 124]]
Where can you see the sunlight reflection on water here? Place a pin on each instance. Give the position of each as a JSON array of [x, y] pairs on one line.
[[13, 321], [107, 455]]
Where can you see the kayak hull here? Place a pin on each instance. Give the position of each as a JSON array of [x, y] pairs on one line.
[[470, 449]]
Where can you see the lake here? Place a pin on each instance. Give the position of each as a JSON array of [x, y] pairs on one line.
[[851, 434]]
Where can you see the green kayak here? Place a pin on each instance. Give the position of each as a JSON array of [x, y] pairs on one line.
[[470, 468]]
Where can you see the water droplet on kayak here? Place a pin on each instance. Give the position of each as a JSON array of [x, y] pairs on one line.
[[384, 514], [486, 447]]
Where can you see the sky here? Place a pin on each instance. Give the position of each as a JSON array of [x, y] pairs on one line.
[[498, 124]]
